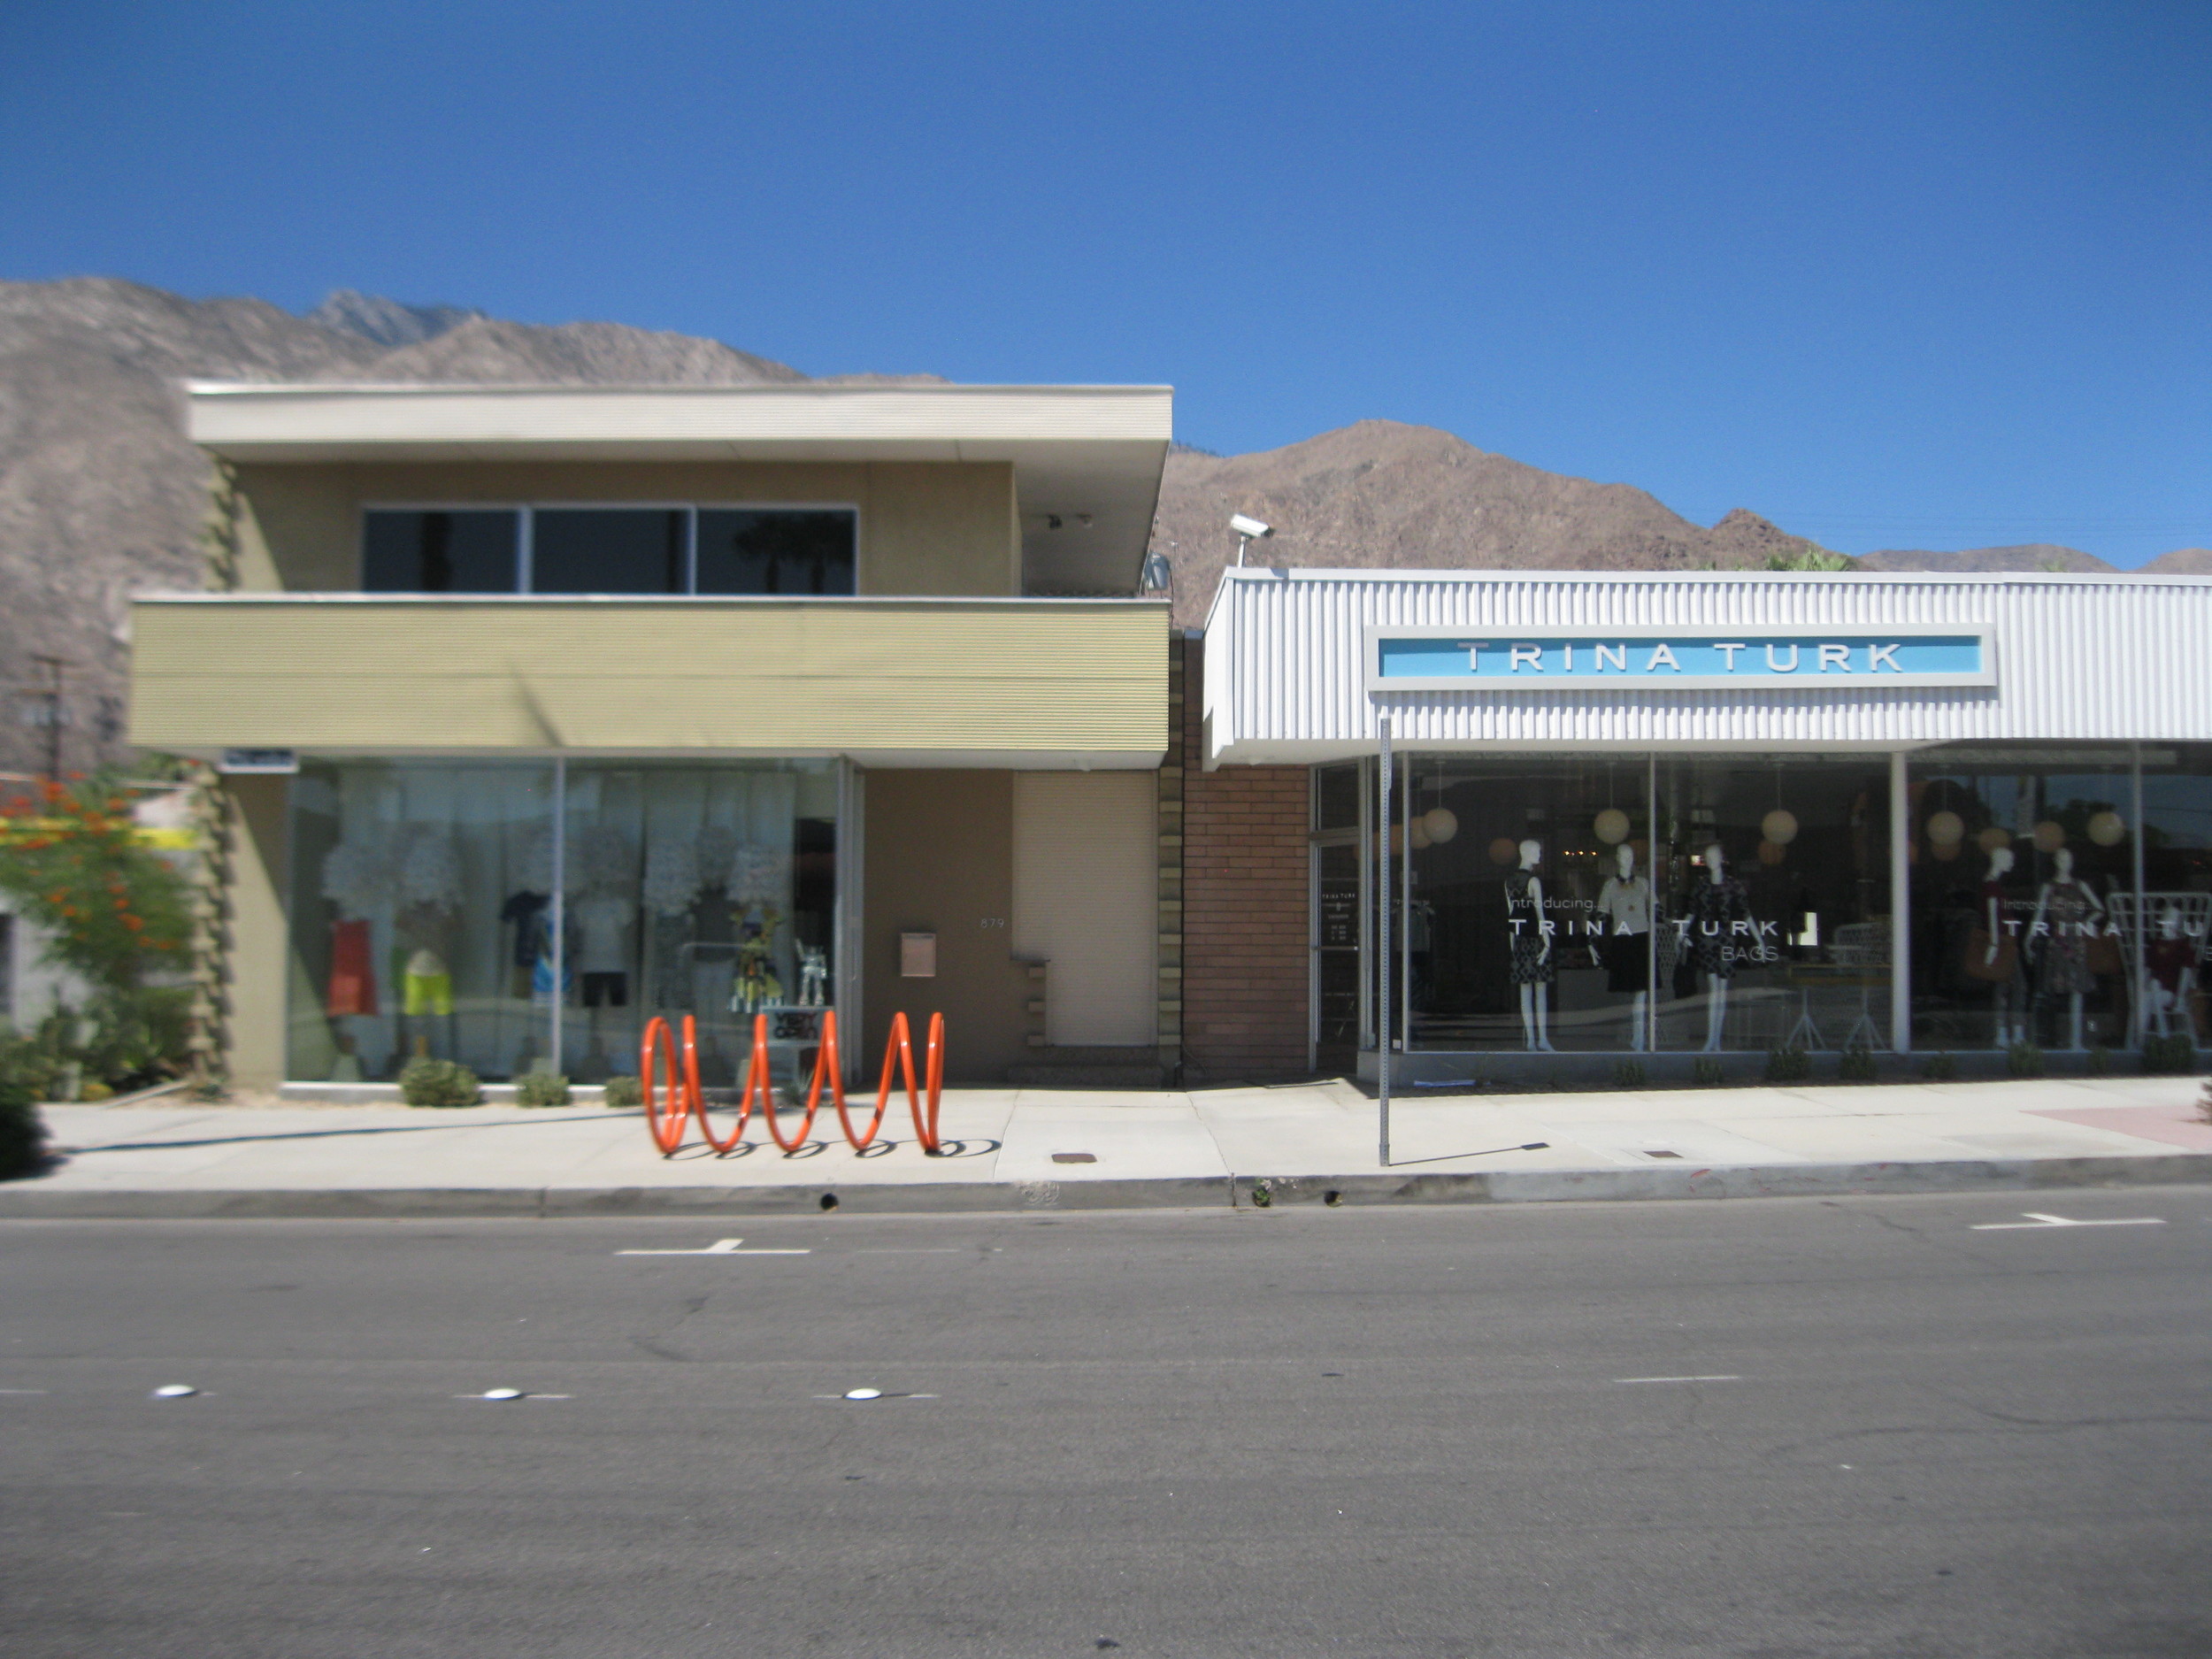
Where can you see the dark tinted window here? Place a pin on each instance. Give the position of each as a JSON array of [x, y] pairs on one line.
[[440, 552], [1336, 797], [771, 551], [607, 550]]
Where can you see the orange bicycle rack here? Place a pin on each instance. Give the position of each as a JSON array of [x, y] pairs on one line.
[[670, 1078]]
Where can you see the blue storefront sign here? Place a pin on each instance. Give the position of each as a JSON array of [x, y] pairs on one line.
[[1660, 660]]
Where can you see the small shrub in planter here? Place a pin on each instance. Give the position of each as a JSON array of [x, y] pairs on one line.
[[1857, 1066], [1630, 1074], [2025, 1059], [1788, 1064], [540, 1088], [2204, 1103], [2100, 1060], [22, 1131], [1940, 1068], [1708, 1072], [624, 1089], [428, 1082], [2175, 1055]]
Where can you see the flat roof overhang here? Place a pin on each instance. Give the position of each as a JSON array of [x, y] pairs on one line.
[[1090, 456]]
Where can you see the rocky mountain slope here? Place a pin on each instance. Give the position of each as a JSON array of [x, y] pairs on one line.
[[101, 496], [1383, 495]]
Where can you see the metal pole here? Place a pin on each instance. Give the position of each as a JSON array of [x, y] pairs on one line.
[[559, 909], [2142, 914], [1658, 915], [1900, 906], [1382, 951]]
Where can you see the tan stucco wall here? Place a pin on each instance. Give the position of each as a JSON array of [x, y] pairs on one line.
[[789, 677], [926, 527], [940, 859], [260, 951]]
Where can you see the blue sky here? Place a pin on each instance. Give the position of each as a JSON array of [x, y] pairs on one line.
[[1901, 275]]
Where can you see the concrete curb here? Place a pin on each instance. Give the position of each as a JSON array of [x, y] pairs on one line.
[[28, 1202]]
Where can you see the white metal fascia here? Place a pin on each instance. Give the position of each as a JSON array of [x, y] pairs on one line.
[[2099, 659], [268, 422]]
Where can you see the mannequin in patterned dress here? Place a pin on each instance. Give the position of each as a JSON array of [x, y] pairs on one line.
[[2067, 915], [1715, 908], [1531, 945]]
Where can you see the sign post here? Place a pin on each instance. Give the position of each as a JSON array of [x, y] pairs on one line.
[[1382, 950]]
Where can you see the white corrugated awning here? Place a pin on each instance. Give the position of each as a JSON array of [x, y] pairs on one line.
[[1291, 672]]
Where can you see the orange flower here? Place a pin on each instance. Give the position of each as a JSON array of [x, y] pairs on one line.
[[133, 923]]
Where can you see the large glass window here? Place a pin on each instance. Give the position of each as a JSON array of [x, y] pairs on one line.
[[423, 913], [610, 550], [1621, 902], [439, 551], [704, 891], [782, 550], [1526, 922], [1777, 928], [410, 932], [2025, 904]]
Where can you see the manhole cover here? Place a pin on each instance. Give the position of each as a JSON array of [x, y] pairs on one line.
[[1075, 1157]]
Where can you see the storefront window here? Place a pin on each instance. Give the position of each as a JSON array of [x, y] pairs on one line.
[[2025, 906], [1527, 922], [407, 934], [1777, 926], [704, 891], [1617, 904], [2177, 948], [423, 913]]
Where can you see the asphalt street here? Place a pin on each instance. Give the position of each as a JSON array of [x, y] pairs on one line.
[[1759, 1428]]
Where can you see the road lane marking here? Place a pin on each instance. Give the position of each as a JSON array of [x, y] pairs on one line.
[[1731, 1378], [2038, 1222], [720, 1246]]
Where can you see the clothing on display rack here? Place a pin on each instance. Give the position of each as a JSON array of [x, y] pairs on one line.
[[426, 987], [352, 970]]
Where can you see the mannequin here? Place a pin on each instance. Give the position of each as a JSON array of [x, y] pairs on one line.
[[2171, 975], [2009, 995], [1531, 940], [1625, 900], [1720, 911], [2067, 913]]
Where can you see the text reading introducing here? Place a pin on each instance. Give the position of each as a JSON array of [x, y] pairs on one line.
[[1660, 660]]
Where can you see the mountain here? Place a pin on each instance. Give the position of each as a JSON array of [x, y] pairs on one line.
[[2036, 556], [1380, 495], [386, 322], [101, 496], [2187, 561]]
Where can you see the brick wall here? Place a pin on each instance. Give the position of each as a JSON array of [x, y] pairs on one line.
[[1246, 865]]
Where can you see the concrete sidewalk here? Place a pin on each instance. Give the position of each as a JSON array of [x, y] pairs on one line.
[[1283, 1145]]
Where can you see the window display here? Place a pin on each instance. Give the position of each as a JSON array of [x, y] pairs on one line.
[[1620, 903], [429, 897], [2039, 910]]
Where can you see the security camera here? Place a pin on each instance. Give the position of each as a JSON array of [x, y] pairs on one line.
[[1246, 527]]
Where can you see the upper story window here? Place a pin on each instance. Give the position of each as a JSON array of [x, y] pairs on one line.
[[463, 551], [610, 550]]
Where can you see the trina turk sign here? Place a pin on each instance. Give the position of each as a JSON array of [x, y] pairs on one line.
[[1686, 659]]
